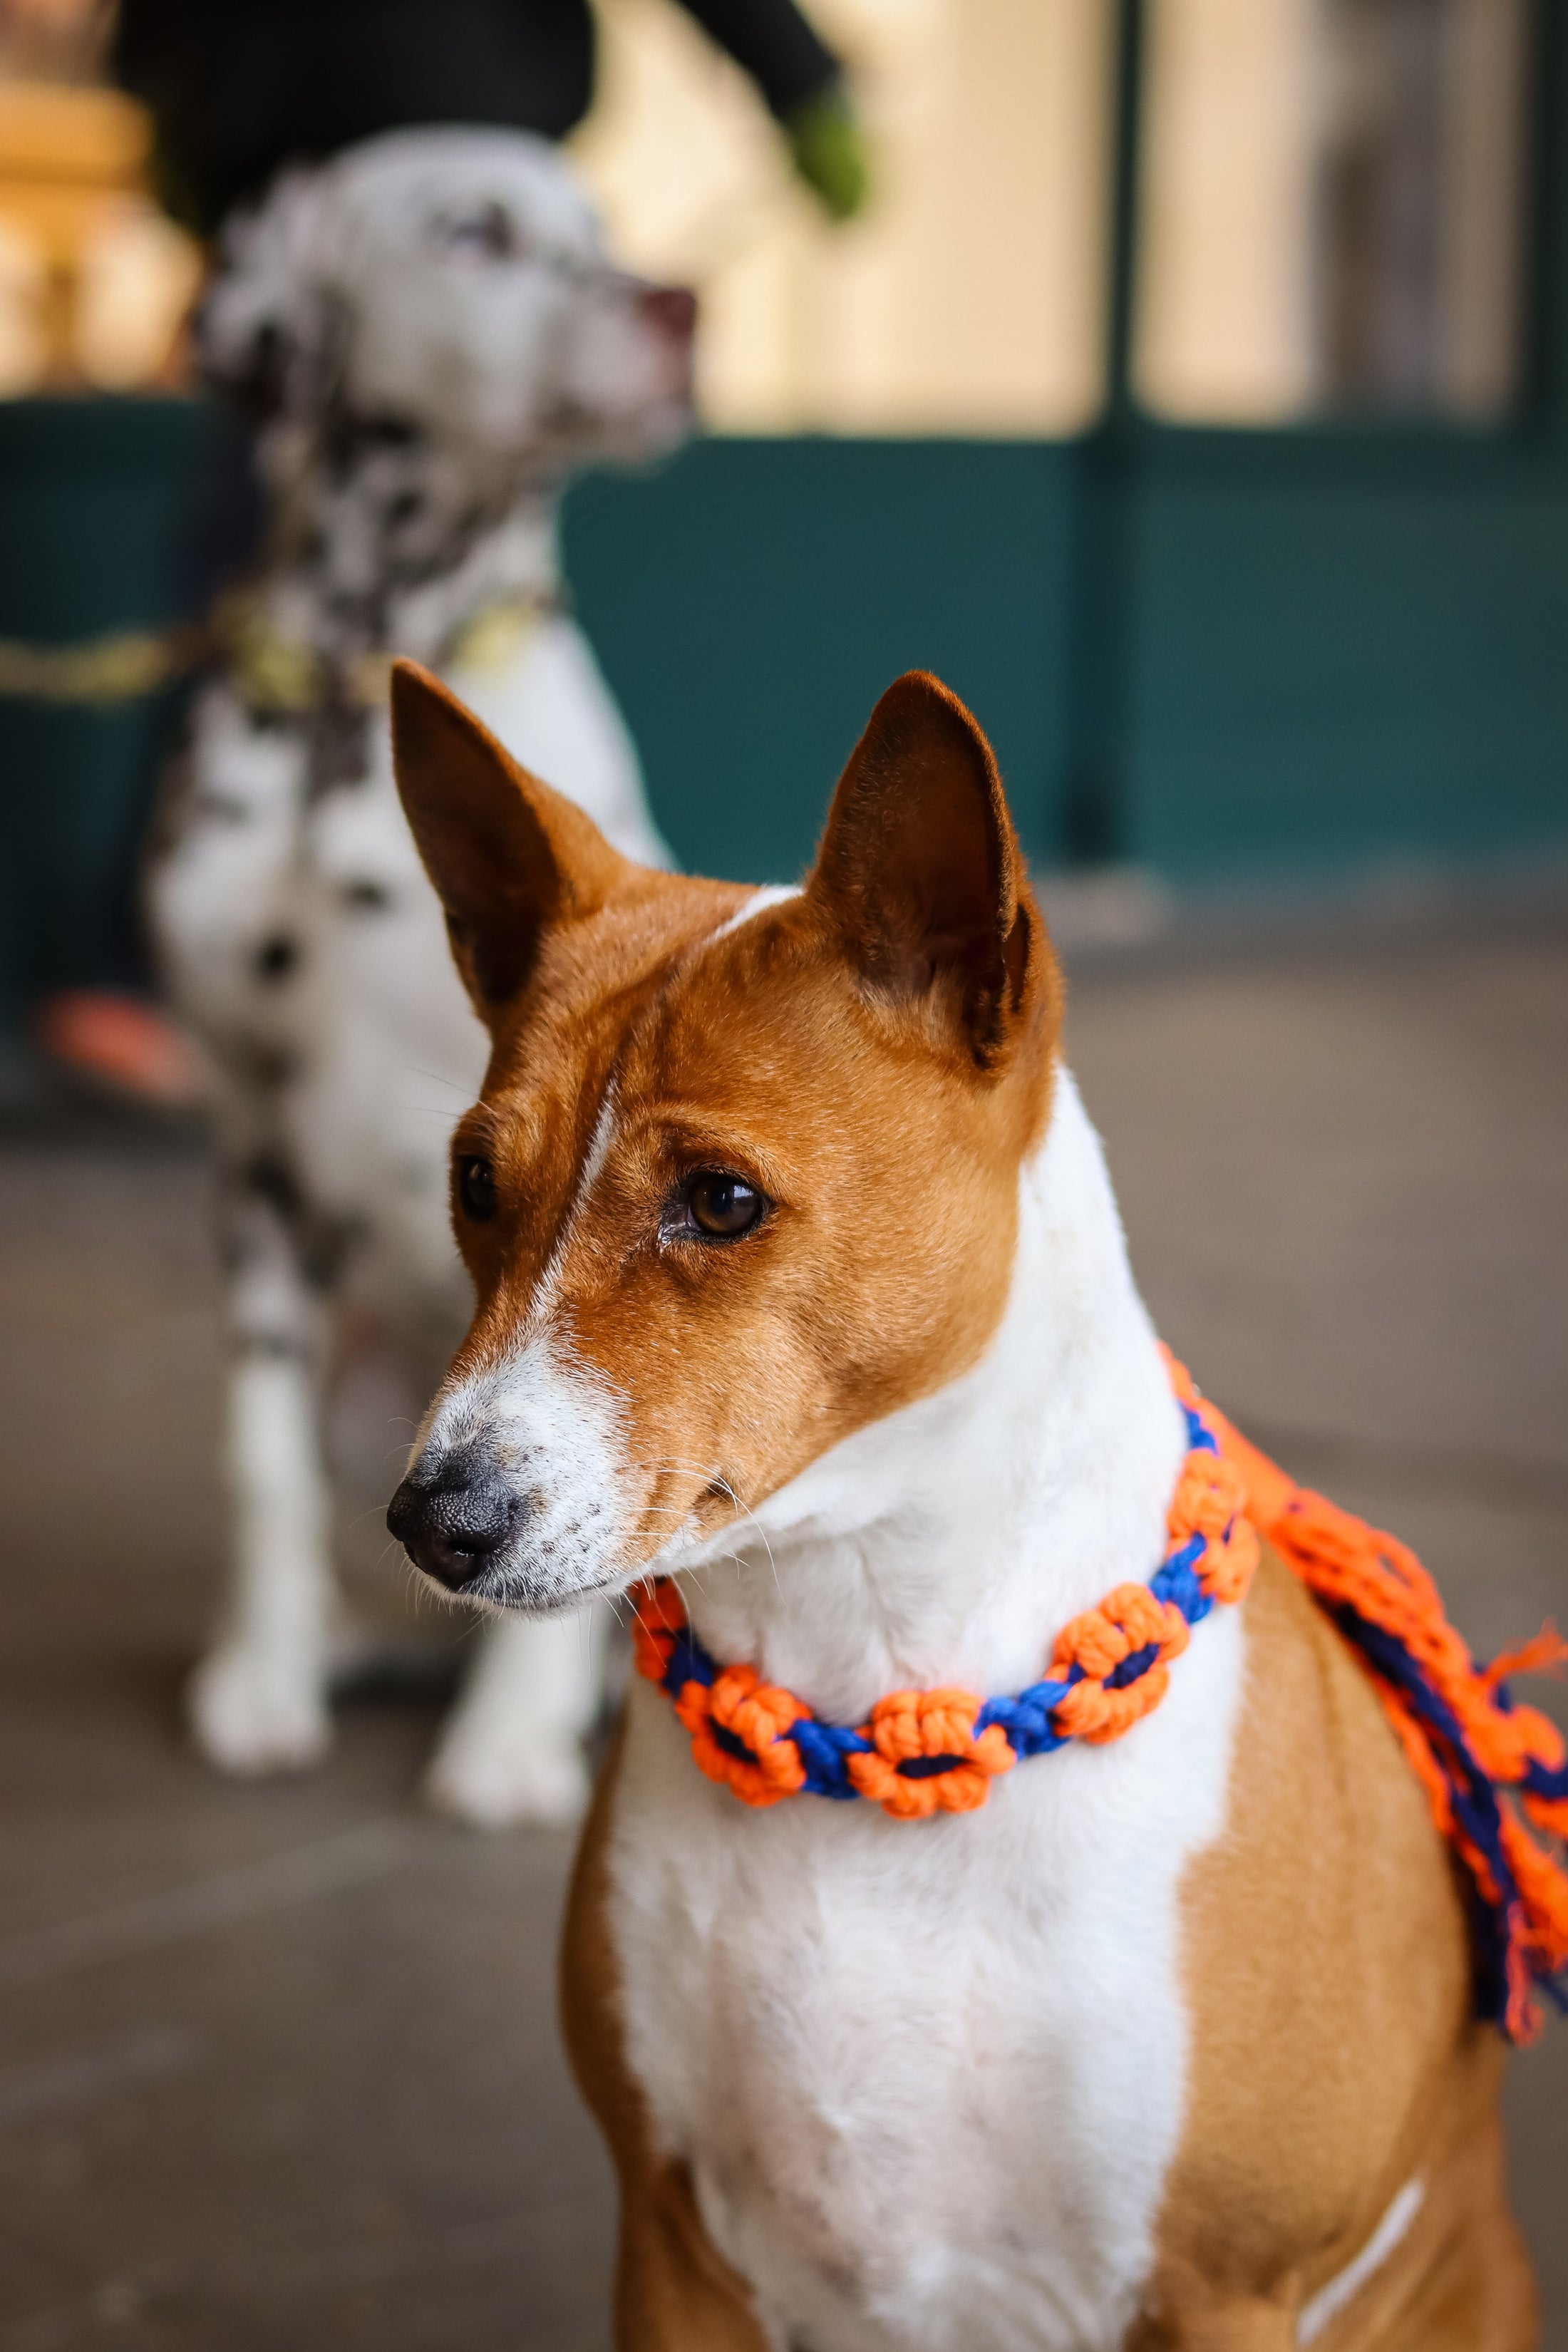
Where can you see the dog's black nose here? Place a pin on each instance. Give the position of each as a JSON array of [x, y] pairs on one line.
[[453, 1525], [671, 310]]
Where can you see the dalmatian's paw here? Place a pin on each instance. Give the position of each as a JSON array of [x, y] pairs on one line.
[[250, 1713], [484, 1774]]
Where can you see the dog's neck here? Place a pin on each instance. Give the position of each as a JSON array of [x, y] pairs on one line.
[[951, 1541], [387, 540]]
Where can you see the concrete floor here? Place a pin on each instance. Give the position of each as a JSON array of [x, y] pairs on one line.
[[278, 2065]]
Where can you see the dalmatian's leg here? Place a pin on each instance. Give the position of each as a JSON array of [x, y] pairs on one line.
[[512, 1748], [259, 1700]]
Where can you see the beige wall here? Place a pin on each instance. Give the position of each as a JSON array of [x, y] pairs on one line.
[[969, 300], [1224, 312], [966, 300], [1240, 98], [94, 282]]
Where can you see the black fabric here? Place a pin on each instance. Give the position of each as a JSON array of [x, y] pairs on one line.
[[237, 87], [772, 40]]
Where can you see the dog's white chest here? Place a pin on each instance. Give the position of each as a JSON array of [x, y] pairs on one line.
[[929, 2076]]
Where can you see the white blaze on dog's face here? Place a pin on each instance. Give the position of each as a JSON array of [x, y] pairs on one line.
[[454, 281], [744, 1175]]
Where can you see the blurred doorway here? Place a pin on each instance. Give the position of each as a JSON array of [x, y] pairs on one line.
[[1332, 207]]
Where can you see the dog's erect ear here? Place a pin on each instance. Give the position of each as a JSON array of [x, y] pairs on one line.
[[509, 857], [921, 872]]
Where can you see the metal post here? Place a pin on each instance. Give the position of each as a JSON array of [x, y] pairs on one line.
[[1096, 815], [1543, 402]]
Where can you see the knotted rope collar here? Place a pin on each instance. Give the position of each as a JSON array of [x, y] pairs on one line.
[[272, 673], [1483, 1761]]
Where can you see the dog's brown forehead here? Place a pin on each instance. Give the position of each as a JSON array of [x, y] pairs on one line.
[[665, 1037], [653, 997]]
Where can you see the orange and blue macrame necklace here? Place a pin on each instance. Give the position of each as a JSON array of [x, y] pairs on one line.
[[1496, 1774]]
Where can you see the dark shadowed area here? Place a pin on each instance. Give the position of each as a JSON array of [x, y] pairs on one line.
[[279, 2065]]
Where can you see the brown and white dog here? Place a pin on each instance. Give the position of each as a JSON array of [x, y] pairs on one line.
[[799, 1275]]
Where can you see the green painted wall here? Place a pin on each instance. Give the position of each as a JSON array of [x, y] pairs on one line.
[[1351, 649], [751, 600], [1342, 649], [95, 500]]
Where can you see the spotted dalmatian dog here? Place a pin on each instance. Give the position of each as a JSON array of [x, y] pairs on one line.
[[432, 339]]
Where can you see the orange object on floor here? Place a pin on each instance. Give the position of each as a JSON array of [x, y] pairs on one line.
[[122, 1043]]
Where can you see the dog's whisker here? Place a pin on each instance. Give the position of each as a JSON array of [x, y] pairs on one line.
[[417, 1070], [370, 1511]]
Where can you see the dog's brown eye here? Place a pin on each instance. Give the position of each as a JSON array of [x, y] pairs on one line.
[[490, 233], [476, 1187], [723, 1206]]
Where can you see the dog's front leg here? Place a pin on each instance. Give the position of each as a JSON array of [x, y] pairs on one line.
[[258, 1699], [674, 2290], [513, 1750]]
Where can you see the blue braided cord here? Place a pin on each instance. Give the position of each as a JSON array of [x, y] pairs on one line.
[[1177, 1580], [1542, 1781], [1200, 1437], [731, 1743], [1137, 1663], [1476, 1806], [1488, 1955], [824, 1749], [688, 1662], [1469, 1784], [1026, 1719]]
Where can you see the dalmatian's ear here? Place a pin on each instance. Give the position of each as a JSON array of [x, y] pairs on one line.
[[270, 333], [509, 857]]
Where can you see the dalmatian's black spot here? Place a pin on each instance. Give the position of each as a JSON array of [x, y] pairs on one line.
[[490, 232], [321, 1244], [366, 897], [339, 746], [404, 506], [277, 1346], [267, 1177], [386, 431], [277, 957], [349, 438], [218, 808], [255, 380], [326, 1244], [234, 1252], [265, 1066]]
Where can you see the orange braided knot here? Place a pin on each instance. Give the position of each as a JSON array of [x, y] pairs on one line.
[[938, 1751], [1482, 1760], [935, 1729]]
